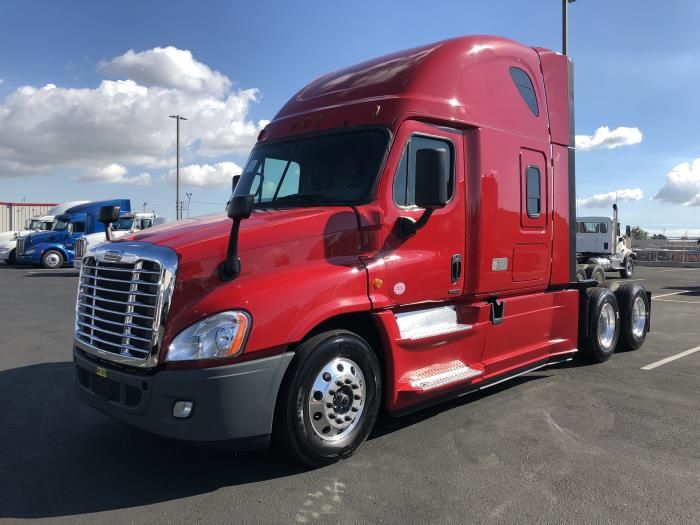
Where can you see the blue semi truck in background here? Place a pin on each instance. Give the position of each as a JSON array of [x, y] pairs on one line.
[[54, 248]]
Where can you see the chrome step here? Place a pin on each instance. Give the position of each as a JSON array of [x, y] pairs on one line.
[[436, 376]]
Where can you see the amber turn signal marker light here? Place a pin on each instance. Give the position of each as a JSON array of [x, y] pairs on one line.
[[377, 283]]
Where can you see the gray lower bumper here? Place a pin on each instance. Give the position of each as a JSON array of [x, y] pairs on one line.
[[232, 402]]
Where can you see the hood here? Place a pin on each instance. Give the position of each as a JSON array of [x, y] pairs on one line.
[[206, 237], [42, 237], [12, 235]]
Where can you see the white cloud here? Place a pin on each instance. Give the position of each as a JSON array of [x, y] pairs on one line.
[[605, 200], [603, 138], [206, 175], [682, 185], [167, 67], [48, 128], [1, 81], [116, 174]]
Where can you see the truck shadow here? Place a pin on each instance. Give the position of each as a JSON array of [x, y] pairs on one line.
[[61, 458]]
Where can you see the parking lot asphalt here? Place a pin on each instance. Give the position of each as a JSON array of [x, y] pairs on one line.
[[609, 443]]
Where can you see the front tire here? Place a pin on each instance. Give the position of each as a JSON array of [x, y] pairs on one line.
[[52, 259], [329, 400], [628, 268], [603, 325]]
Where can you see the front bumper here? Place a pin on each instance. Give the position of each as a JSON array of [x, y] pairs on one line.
[[234, 402], [77, 263]]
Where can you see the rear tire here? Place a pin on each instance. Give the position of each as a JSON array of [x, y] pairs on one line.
[[634, 315], [329, 399], [627, 268], [52, 259], [12, 258], [603, 323], [580, 274], [595, 272]]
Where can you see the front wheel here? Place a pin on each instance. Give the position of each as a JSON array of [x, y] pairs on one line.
[[12, 258], [329, 400], [628, 268], [52, 259]]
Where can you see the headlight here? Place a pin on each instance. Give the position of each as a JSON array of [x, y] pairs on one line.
[[219, 335]]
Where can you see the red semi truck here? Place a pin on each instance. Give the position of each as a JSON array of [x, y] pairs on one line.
[[402, 233]]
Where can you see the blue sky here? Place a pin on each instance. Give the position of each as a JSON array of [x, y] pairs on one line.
[[635, 66]]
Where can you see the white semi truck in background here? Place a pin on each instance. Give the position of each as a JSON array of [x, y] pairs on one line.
[[126, 224], [8, 240], [601, 248]]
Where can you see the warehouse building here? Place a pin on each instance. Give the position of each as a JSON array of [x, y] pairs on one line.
[[13, 215]]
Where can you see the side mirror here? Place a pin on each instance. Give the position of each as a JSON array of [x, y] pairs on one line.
[[234, 182], [108, 215], [239, 207], [432, 187], [432, 178], [628, 231]]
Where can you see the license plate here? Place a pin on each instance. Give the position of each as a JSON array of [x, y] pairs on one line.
[[101, 372]]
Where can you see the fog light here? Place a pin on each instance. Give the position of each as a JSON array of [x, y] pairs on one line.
[[182, 409]]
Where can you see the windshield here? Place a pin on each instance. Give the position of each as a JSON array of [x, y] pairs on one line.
[[314, 171], [60, 224], [123, 223], [36, 224]]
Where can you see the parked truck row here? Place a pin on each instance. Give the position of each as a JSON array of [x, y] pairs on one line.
[[404, 231], [64, 234]]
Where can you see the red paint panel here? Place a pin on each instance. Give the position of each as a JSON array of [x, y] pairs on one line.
[[530, 262], [556, 80], [560, 216]]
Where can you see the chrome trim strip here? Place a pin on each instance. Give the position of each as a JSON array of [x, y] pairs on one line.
[[117, 334], [126, 292], [131, 253], [124, 270], [157, 283], [97, 298], [115, 312]]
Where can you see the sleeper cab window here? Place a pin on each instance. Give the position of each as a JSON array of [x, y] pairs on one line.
[[405, 179], [527, 90], [534, 193]]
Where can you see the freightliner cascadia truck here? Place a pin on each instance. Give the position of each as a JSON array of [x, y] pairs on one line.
[[403, 232]]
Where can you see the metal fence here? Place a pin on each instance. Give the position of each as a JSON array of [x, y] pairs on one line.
[[672, 250], [13, 215]]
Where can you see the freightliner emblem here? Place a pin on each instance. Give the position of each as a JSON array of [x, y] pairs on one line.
[[113, 256]]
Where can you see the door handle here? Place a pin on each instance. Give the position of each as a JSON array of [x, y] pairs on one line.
[[456, 267]]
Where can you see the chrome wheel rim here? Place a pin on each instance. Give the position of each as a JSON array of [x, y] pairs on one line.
[[52, 259], [629, 266], [639, 316], [337, 399], [606, 326]]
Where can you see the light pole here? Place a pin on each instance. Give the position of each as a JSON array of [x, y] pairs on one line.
[[565, 25], [177, 118]]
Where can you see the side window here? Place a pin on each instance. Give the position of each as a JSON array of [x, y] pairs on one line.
[[527, 90], [534, 193], [78, 227], [603, 228], [590, 227], [405, 178]]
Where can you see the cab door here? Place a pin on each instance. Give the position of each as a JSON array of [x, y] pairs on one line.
[[428, 265]]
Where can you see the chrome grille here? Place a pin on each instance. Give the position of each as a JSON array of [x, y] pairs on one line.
[[117, 305], [80, 247], [124, 295], [20, 246]]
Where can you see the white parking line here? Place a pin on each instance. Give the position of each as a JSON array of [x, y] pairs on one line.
[[680, 270], [672, 358], [667, 294], [676, 301]]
